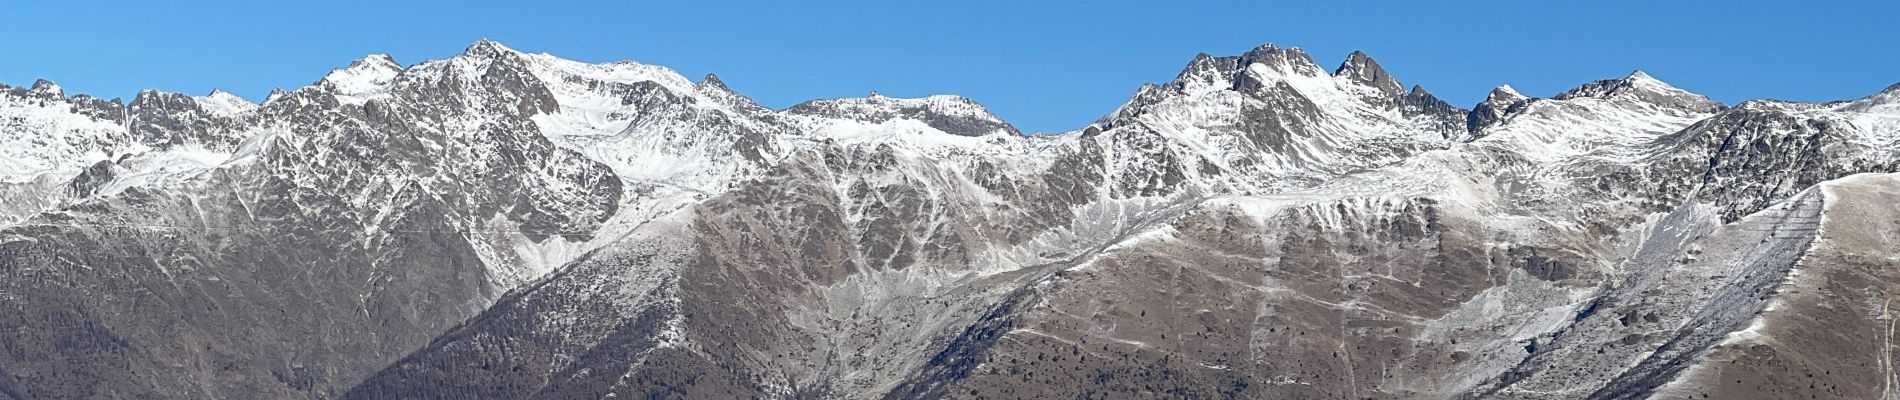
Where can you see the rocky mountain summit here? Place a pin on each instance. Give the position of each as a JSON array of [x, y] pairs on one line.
[[504, 224]]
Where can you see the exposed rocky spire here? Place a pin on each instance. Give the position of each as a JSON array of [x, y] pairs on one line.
[[1206, 72], [154, 98], [275, 93], [717, 90], [487, 48], [1289, 60], [1270, 53], [1500, 104], [48, 87], [1504, 95], [1418, 103], [1363, 70], [712, 81]]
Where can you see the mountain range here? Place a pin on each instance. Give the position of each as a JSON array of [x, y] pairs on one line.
[[504, 224]]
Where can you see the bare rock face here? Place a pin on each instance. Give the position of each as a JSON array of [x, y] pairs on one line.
[[503, 224]]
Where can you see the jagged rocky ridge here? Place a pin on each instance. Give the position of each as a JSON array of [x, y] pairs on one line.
[[502, 224]]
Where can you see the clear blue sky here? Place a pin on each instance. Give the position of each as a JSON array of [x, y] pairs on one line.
[[1046, 66]]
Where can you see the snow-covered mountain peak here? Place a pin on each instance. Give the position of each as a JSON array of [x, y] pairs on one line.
[[712, 88], [1258, 70], [1206, 73], [618, 98], [54, 136], [147, 98], [555, 69], [48, 87], [168, 119], [487, 48], [220, 102], [275, 93], [1505, 94], [1639, 86], [1889, 98], [381, 60], [362, 80], [955, 115], [1286, 60], [1643, 81], [1361, 68], [475, 60], [1287, 79], [1270, 118], [1609, 118], [1877, 116]]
